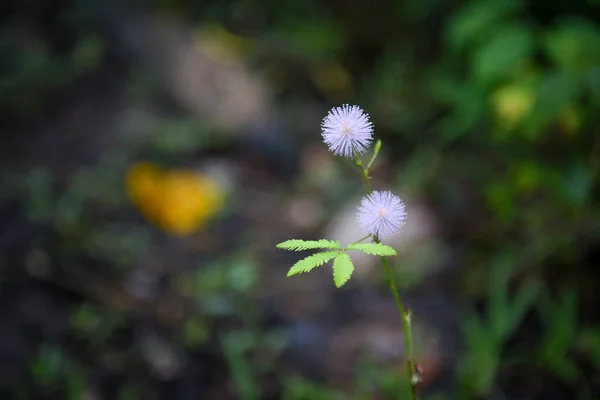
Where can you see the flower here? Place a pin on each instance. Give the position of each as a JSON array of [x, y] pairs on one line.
[[347, 130], [381, 214]]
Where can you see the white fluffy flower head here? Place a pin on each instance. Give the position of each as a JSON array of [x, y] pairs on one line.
[[381, 214], [346, 130]]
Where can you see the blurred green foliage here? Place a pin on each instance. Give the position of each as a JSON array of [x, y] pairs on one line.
[[57, 372], [485, 339], [44, 55]]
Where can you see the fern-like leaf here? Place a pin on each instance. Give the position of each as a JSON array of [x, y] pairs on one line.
[[301, 245], [374, 249], [342, 269], [311, 262]]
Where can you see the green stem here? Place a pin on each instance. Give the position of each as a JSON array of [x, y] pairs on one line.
[[358, 241], [374, 156], [364, 172], [413, 377], [366, 180], [406, 317]]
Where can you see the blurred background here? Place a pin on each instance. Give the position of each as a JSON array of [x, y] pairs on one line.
[[154, 152]]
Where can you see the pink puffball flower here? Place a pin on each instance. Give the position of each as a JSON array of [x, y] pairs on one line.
[[347, 130], [381, 214]]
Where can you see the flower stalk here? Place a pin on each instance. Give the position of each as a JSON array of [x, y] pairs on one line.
[[411, 371], [348, 132]]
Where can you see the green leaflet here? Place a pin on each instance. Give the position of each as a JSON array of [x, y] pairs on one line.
[[374, 249], [342, 269], [301, 245], [311, 262]]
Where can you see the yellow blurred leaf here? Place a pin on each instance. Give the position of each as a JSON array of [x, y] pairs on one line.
[[178, 201], [512, 103], [332, 79], [221, 45]]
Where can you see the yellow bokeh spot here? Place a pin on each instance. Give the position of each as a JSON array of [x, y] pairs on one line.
[[221, 45], [332, 79], [512, 103], [178, 201]]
